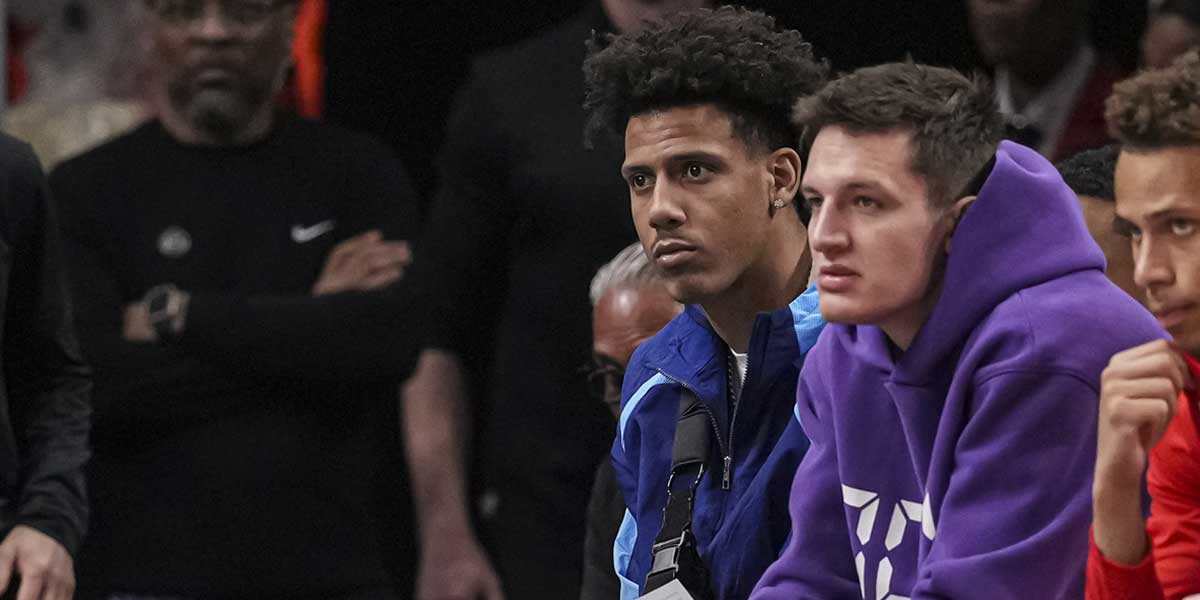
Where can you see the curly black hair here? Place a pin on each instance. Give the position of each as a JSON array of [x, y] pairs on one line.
[[1090, 173], [735, 58]]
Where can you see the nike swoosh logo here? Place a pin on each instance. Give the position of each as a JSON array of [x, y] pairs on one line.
[[302, 235]]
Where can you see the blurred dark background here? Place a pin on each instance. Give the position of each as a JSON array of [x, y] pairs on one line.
[[393, 66]]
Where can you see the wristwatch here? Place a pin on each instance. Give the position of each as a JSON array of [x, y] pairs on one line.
[[164, 303]]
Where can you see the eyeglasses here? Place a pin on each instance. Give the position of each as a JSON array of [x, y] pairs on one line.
[[601, 378], [242, 12]]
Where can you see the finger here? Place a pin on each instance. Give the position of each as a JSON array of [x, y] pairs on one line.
[[1163, 363], [401, 251], [492, 589], [31, 587], [1153, 347], [64, 590], [7, 558], [354, 245], [379, 279], [1160, 388], [389, 252], [1144, 415]]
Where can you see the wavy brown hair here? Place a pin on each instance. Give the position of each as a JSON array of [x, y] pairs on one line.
[[954, 120], [1159, 107]]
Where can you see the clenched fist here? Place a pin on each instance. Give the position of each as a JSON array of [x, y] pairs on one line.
[[1138, 395]]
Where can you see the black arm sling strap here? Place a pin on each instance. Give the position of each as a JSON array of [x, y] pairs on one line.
[[674, 554]]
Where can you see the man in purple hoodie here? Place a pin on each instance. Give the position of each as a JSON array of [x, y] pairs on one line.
[[952, 400]]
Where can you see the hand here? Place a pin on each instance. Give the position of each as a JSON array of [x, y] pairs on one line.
[[364, 262], [1138, 394], [455, 568], [47, 571], [136, 325]]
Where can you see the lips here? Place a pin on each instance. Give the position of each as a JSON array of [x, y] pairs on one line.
[[1173, 315], [836, 278], [672, 254]]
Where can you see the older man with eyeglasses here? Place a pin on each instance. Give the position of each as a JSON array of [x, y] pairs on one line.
[[237, 275]]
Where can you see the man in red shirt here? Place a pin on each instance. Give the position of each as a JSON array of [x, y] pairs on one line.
[[1148, 394]]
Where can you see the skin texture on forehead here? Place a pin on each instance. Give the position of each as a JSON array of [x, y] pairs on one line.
[[213, 79], [624, 318], [1158, 195]]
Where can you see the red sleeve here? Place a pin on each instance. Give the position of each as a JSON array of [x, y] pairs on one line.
[[1174, 481], [1107, 580], [1172, 570]]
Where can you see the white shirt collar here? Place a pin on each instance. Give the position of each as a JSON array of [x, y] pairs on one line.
[[1051, 107]]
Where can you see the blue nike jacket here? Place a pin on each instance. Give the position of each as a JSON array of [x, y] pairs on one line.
[[756, 449]]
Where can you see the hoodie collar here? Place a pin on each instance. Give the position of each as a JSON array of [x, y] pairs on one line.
[[1025, 228]]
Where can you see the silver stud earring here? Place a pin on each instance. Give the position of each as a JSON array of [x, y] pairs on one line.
[[778, 203]]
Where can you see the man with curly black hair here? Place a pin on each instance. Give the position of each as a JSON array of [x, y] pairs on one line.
[[706, 446]]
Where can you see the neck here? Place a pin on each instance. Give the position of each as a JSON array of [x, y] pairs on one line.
[[903, 327], [187, 132], [783, 277], [631, 15]]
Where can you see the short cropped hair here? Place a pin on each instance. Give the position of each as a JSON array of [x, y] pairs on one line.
[[1158, 108], [735, 58], [629, 268], [1090, 173], [954, 120]]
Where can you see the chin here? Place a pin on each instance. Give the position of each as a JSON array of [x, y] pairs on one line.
[[847, 311], [689, 288]]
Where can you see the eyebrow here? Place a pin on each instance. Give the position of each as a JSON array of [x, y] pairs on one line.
[[1123, 227], [852, 186]]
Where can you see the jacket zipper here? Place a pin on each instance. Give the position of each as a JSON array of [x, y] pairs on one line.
[[725, 478]]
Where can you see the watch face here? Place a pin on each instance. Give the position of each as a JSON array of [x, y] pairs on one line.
[[174, 242]]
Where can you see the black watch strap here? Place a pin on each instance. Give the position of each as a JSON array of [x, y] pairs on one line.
[[162, 306]]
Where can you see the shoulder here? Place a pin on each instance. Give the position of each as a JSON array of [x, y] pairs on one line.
[[83, 174], [21, 184], [18, 165], [1071, 324]]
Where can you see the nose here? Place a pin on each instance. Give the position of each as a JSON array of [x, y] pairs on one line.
[[1151, 264], [666, 209], [213, 23], [827, 233]]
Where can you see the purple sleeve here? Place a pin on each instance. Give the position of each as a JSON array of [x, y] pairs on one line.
[[817, 562], [1014, 520]]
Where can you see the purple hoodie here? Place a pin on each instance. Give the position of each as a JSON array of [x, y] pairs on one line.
[[963, 468]]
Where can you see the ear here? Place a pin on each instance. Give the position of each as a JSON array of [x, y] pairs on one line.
[[954, 215], [785, 168]]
